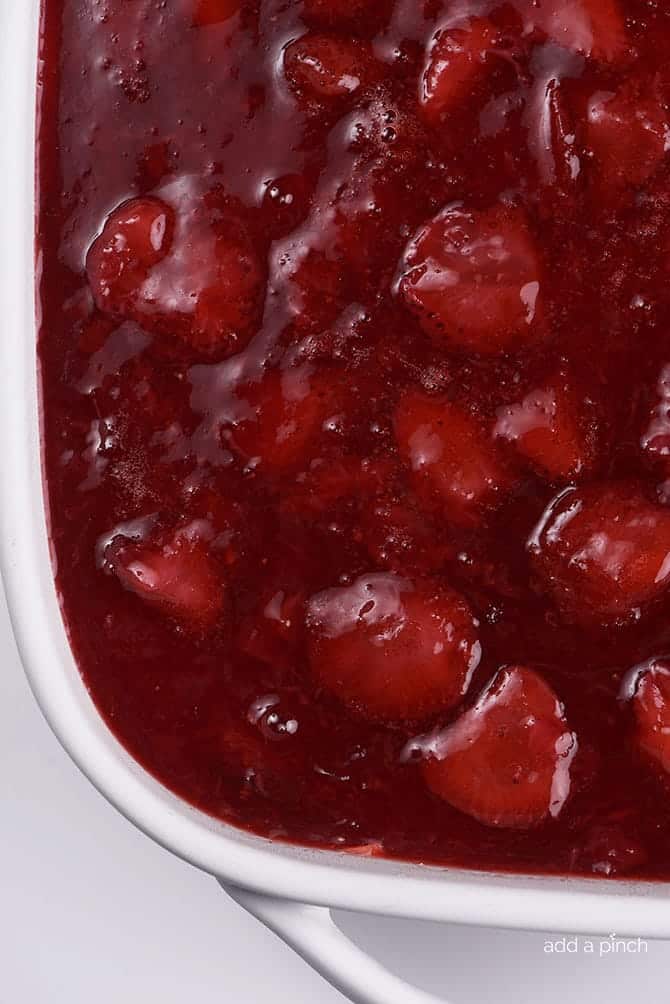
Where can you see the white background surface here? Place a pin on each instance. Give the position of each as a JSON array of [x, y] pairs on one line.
[[92, 911]]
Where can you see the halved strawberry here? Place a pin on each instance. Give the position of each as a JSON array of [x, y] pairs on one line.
[[455, 61], [506, 761], [603, 550], [136, 237], [648, 689], [593, 28], [177, 574], [190, 273], [628, 136], [544, 427], [325, 66], [453, 463], [206, 12], [391, 648], [281, 418], [474, 279]]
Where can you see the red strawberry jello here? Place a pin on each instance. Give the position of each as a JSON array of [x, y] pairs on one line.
[[355, 363]]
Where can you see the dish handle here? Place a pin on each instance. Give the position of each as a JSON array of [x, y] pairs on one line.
[[312, 933]]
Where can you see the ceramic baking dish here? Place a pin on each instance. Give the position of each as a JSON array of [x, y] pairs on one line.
[[273, 880]]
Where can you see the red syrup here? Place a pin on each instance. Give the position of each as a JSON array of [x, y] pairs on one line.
[[354, 354]]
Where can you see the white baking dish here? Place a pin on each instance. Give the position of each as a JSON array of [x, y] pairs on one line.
[[272, 880]]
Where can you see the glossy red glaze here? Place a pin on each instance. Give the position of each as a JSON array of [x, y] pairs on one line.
[[357, 311]]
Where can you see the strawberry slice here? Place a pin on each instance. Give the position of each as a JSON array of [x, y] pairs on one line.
[[453, 464], [324, 66], [648, 689], [603, 550], [279, 420], [474, 279], [627, 135], [593, 28], [137, 235], [456, 60], [390, 648], [544, 428], [506, 761], [177, 575], [207, 12]]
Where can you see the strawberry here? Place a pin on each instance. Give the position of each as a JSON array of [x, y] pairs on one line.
[[137, 235], [280, 419], [603, 550], [208, 12], [456, 60], [177, 574], [545, 429], [327, 67], [627, 135], [453, 465], [648, 689], [593, 28], [191, 273], [506, 761], [390, 648], [474, 280]]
